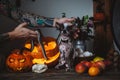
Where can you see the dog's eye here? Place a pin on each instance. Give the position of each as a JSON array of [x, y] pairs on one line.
[[69, 28]]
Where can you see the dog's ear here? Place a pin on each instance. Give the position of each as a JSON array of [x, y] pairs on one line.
[[59, 26]]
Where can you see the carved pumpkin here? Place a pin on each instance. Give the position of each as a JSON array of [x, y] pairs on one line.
[[51, 49], [18, 62]]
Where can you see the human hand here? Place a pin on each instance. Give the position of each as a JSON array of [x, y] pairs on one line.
[[64, 20], [22, 32]]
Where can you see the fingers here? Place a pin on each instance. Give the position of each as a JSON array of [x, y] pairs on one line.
[[22, 25], [32, 32], [28, 35], [25, 32], [32, 36], [70, 19], [22, 28]]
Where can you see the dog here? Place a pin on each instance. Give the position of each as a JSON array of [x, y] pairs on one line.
[[64, 41]]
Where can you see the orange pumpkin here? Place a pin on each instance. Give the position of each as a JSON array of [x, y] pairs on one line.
[[51, 49], [99, 16], [18, 62]]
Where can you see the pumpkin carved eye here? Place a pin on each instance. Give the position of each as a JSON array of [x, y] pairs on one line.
[[11, 60], [22, 60]]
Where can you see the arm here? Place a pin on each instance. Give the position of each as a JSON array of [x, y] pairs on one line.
[[20, 32], [36, 20], [4, 37]]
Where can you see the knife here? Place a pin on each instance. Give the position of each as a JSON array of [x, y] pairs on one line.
[[42, 46]]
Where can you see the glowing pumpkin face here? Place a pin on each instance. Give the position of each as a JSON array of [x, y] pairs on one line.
[[18, 62], [51, 48]]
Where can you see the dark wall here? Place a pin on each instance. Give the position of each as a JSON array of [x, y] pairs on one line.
[[6, 24]]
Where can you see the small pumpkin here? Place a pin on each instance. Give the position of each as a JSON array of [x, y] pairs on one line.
[[51, 49], [18, 62], [99, 16]]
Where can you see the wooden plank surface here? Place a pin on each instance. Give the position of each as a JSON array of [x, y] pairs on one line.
[[52, 74]]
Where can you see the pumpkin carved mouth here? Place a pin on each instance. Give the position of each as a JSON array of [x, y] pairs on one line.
[[19, 68]]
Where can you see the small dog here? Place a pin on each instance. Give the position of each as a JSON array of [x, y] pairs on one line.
[[65, 47]]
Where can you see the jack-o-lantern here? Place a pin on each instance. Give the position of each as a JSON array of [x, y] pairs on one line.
[[19, 62], [51, 49]]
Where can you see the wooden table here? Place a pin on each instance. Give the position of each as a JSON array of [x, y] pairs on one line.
[[53, 74]]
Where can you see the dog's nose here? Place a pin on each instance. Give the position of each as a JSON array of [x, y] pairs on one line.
[[64, 31]]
